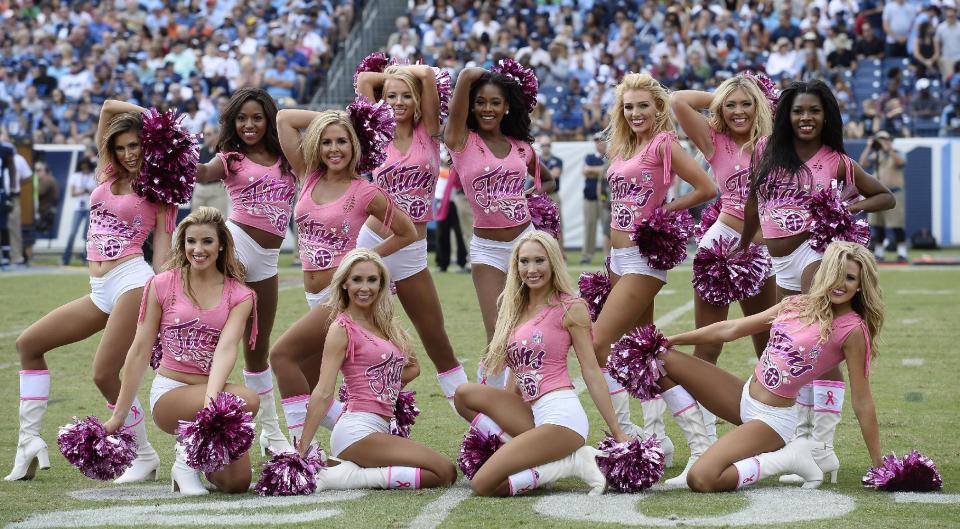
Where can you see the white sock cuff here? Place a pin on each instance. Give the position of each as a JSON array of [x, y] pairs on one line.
[[295, 411], [805, 396], [334, 411], [34, 384], [828, 395], [485, 424], [403, 478], [523, 481], [613, 387], [748, 472], [261, 382], [679, 400], [451, 380]]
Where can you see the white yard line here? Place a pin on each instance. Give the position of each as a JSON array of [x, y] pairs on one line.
[[435, 512]]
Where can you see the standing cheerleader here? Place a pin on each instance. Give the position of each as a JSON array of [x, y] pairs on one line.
[[809, 335], [262, 188], [539, 319], [805, 154], [369, 347], [195, 312], [409, 175], [488, 136], [333, 205], [120, 221], [644, 156]]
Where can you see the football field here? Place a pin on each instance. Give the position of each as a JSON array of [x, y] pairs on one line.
[[914, 383]]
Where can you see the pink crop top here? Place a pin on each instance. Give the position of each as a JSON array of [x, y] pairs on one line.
[[640, 185], [371, 370], [795, 354], [262, 197], [328, 231], [731, 169], [537, 355], [188, 335], [411, 178], [783, 205], [493, 186], [120, 224]]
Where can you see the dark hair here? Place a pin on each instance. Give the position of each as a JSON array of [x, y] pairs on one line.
[[779, 158], [516, 124], [229, 139]]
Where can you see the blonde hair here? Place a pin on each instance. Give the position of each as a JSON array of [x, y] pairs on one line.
[[227, 262], [382, 314], [404, 74], [867, 301], [762, 116], [310, 142], [621, 140], [121, 123], [515, 299]]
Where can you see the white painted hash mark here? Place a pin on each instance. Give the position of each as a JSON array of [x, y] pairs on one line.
[[673, 315], [912, 362], [435, 512], [773, 506], [925, 292], [910, 321], [925, 497]]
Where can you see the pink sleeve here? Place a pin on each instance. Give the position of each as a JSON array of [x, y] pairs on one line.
[[348, 325], [868, 356], [146, 298], [170, 218], [715, 139], [368, 192], [667, 139]]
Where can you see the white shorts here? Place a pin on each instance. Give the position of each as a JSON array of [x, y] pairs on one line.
[[162, 385], [782, 420], [789, 269], [720, 229], [260, 262], [493, 253], [106, 290], [403, 263], [625, 261], [354, 426], [314, 299], [561, 408]]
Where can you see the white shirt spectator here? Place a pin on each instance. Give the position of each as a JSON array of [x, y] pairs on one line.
[[783, 62], [535, 57], [898, 16], [402, 51], [316, 43], [81, 185], [491, 28], [73, 84], [246, 46], [949, 37]]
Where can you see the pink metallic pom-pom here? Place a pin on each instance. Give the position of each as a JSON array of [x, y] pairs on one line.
[[594, 289], [524, 76], [375, 62], [156, 354], [475, 450], [86, 445], [768, 88], [290, 474], [634, 361], [708, 216], [721, 277], [832, 221], [405, 412], [342, 395], [914, 473], [633, 466], [375, 127], [662, 237], [544, 214], [171, 153], [444, 90], [221, 433]]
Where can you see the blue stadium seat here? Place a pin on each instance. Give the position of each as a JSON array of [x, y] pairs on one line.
[[926, 127]]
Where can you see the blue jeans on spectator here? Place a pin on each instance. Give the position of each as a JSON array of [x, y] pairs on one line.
[[79, 216]]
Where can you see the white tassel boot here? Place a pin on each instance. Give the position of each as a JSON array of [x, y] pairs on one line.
[[348, 475], [449, 382], [271, 437], [621, 406], [495, 381], [581, 464], [144, 467], [687, 413], [31, 449], [828, 403], [653, 425], [184, 479], [796, 457], [804, 426]]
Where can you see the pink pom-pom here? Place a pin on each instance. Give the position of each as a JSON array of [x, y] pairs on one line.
[[721, 277], [375, 62], [375, 127], [475, 450], [708, 217], [86, 445], [221, 433], [444, 90], [832, 221], [594, 289], [633, 466], [524, 76], [342, 395], [405, 412], [914, 473], [290, 474], [662, 237], [156, 354], [635, 364], [171, 153], [544, 214], [767, 87]]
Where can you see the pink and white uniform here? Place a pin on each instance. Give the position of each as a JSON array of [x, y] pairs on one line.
[[411, 178], [120, 224], [731, 168], [262, 197]]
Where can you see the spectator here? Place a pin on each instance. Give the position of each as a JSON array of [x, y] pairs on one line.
[[869, 45], [280, 81], [402, 51], [403, 27], [785, 29], [568, 121], [925, 53], [894, 120], [783, 61], [594, 170], [842, 57], [532, 54], [887, 165], [923, 105], [898, 18], [485, 25], [44, 83], [23, 175], [48, 199], [82, 183], [947, 40], [434, 38]]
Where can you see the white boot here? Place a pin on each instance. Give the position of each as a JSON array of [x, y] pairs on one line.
[[621, 407], [827, 404], [449, 382], [184, 479], [271, 437], [581, 464], [348, 475], [796, 457], [653, 425], [494, 381], [144, 467], [31, 449], [804, 429], [690, 419]]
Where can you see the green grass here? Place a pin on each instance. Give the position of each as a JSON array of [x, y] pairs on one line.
[[917, 406]]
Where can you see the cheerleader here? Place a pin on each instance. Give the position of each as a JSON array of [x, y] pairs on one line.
[[262, 188], [644, 156], [539, 319], [195, 313], [334, 203], [805, 154], [488, 136], [367, 345], [409, 175], [836, 321], [120, 222]]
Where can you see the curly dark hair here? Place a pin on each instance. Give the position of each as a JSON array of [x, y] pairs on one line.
[[779, 158], [516, 124], [230, 141]]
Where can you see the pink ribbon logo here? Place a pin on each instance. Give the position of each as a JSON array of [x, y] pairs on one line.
[[403, 484], [136, 412], [830, 400]]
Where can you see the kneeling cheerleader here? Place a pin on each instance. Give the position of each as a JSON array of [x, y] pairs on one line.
[[539, 413]]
